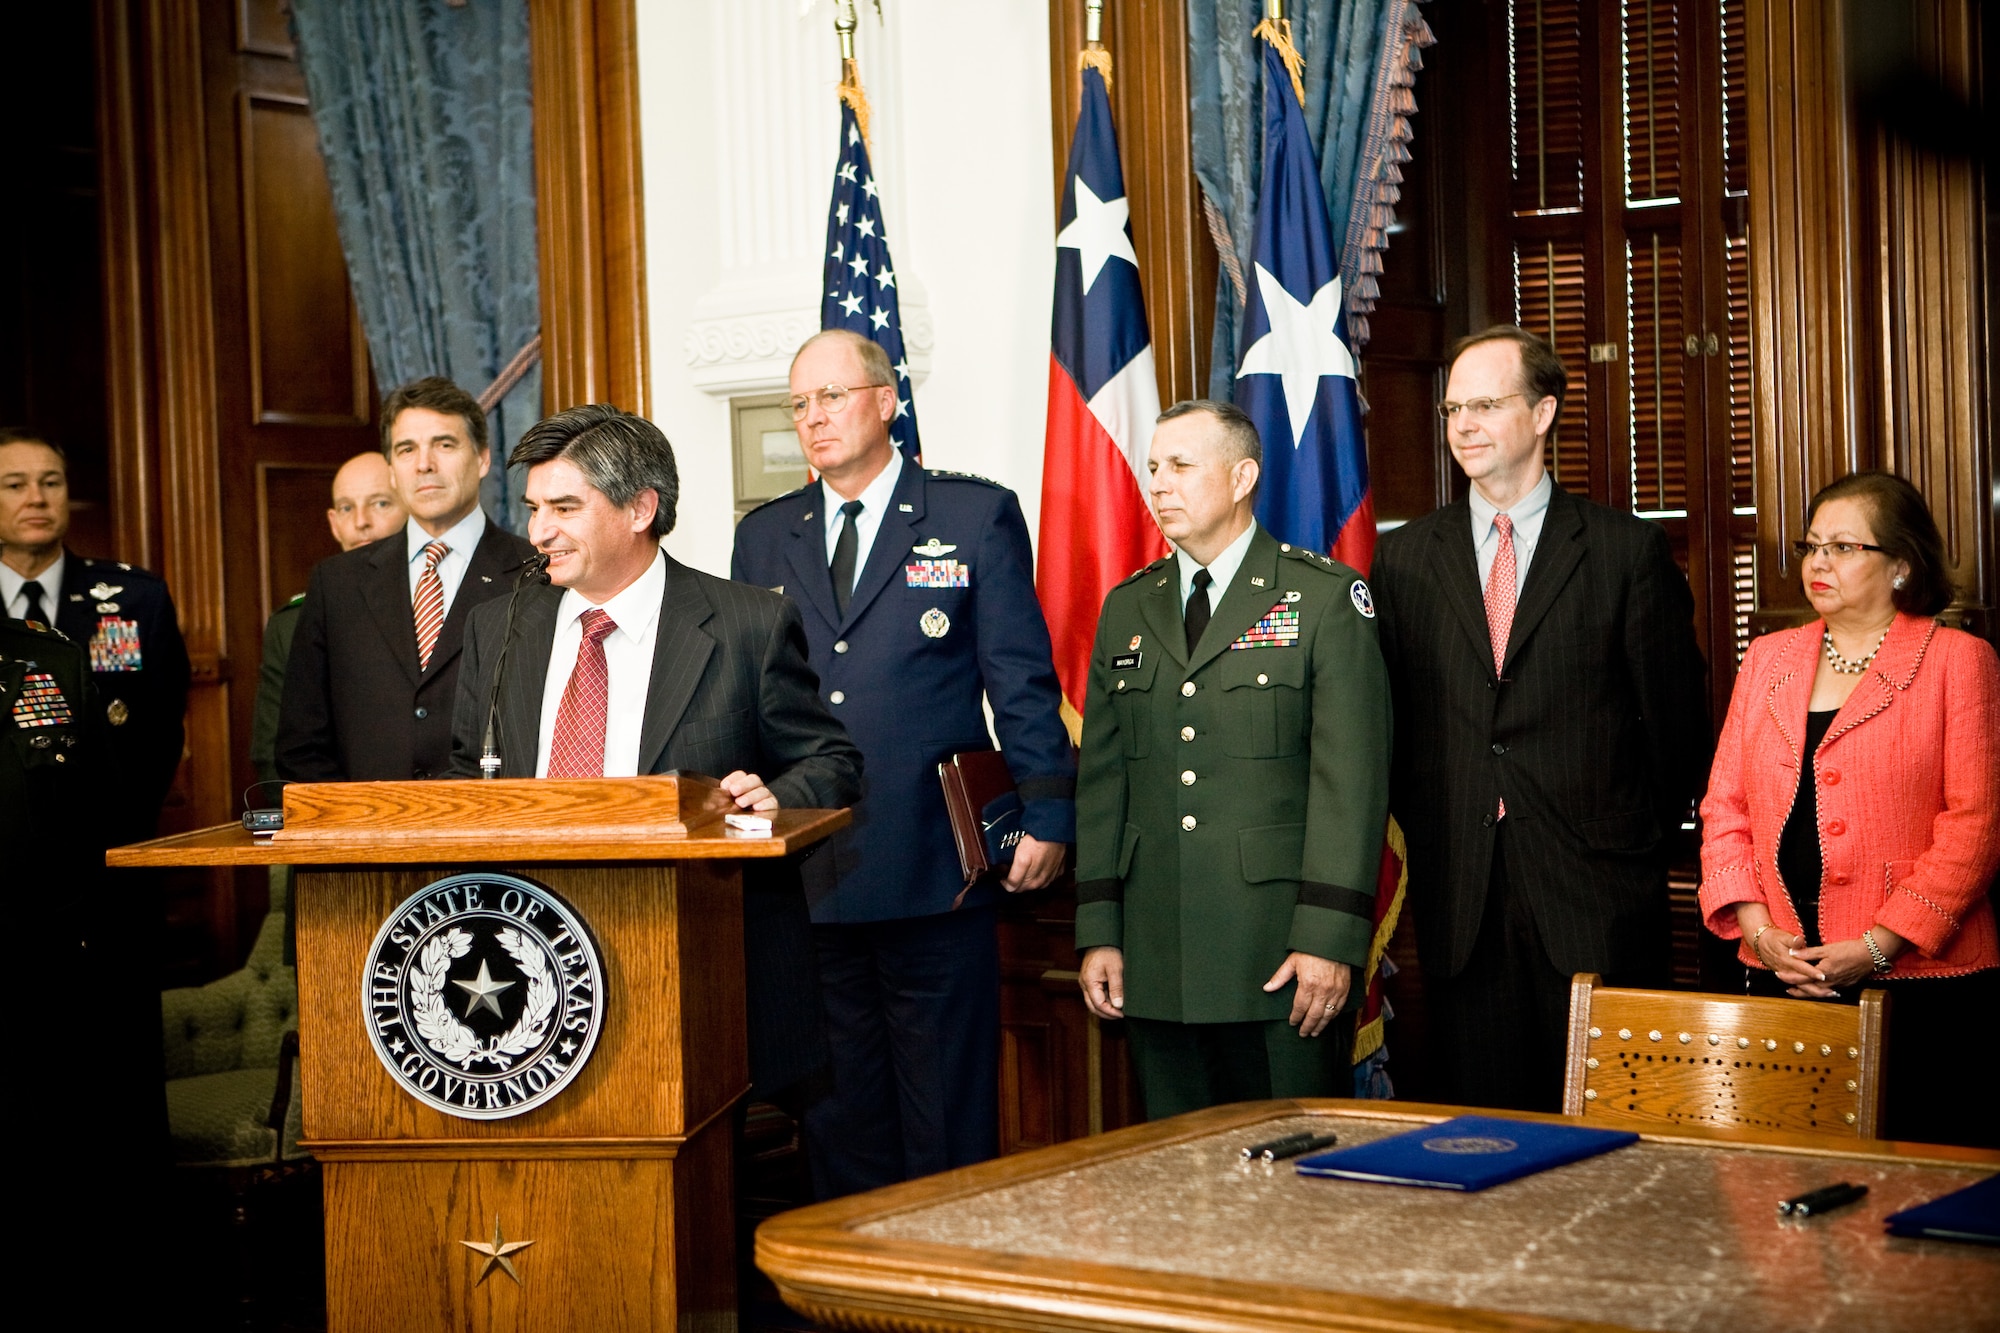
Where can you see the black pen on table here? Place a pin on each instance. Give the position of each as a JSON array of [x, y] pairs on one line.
[[1823, 1200], [1291, 1145]]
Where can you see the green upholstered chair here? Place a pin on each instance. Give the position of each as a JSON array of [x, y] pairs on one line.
[[231, 1047]]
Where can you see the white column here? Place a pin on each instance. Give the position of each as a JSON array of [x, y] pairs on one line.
[[739, 122]]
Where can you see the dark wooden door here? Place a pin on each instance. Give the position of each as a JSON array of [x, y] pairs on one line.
[[293, 395], [238, 377]]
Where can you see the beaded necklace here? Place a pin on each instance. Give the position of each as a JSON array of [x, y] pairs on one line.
[[1854, 666]]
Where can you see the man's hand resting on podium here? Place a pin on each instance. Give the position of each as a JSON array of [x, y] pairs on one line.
[[749, 791], [1035, 865]]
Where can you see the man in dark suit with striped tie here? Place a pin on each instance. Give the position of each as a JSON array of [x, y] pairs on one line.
[[1551, 732], [373, 670]]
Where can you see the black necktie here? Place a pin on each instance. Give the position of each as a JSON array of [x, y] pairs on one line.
[[844, 546], [1197, 613], [33, 592]]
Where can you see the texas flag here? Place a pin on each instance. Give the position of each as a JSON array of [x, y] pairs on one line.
[[1296, 379], [1103, 401], [1297, 383]]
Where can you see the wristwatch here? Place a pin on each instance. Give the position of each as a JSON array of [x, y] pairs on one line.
[[1881, 960]]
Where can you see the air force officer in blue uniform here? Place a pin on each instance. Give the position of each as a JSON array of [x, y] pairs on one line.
[[918, 593]]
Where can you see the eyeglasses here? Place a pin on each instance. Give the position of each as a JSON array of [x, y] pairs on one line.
[[1476, 408], [833, 398], [1836, 550]]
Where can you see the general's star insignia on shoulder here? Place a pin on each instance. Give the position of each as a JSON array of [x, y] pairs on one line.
[[963, 476], [1363, 601]]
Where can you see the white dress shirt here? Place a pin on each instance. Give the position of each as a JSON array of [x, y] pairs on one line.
[[12, 581], [874, 499], [462, 538], [1222, 569], [628, 655], [1527, 513]]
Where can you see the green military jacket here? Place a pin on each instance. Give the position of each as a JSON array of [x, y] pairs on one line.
[[1230, 808]]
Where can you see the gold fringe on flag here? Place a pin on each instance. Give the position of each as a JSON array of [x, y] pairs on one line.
[[852, 95], [1368, 1038], [1278, 32], [1097, 58]]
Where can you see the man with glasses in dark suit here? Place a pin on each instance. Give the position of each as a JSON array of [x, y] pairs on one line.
[[1551, 732]]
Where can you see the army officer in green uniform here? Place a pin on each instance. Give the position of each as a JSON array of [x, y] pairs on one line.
[[1233, 790]]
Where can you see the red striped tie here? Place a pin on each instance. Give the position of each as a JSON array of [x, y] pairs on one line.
[[428, 607], [577, 749], [1500, 599]]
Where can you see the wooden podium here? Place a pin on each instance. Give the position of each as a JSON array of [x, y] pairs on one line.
[[619, 1181]]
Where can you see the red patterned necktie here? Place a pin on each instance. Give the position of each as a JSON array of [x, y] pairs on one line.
[[428, 606], [1500, 598], [577, 750]]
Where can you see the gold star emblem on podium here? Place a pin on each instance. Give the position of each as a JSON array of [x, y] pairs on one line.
[[496, 1252]]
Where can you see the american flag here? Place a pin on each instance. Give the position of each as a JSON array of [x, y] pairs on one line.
[[859, 288]]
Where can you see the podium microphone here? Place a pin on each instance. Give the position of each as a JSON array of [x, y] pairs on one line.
[[535, 570]]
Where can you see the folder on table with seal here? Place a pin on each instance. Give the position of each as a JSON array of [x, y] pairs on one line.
[[1469, 1153], [1972, 1213]]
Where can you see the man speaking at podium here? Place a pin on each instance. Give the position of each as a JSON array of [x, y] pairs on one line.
[[634, 663]]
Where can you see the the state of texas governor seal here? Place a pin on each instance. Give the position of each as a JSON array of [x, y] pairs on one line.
[[483, 995]]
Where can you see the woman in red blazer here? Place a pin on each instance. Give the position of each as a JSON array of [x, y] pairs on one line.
[[1872, 864]]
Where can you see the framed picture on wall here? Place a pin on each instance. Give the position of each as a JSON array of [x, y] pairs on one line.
[[769, 461]]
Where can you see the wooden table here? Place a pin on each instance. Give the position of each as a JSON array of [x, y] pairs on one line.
[[1163, 1226]]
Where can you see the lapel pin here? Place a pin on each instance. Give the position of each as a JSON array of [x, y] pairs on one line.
[[1256, 581], [486, 578], [906, 509]]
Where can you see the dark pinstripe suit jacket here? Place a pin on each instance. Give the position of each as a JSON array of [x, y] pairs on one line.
[[730, 690], [1595, 731]]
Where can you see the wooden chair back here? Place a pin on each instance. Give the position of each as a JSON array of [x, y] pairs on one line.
[[1721, 1061]]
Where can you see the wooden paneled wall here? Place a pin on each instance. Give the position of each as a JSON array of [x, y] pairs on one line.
[[589, 203], [1870, 323], [238, 375]]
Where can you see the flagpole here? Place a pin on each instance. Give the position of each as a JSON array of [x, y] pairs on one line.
[[1277, 30], [1093, 55], [850, 72]]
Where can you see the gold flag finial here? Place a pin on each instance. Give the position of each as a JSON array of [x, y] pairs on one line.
[[1093, 55], [1277, 30], [850, 73]]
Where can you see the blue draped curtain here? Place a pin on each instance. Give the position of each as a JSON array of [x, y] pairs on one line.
[[425, 119], [1360, 63]]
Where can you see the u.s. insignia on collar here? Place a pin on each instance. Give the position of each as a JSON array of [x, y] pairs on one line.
[[934, 548], [1256, 580], [906, 509], [934, 623], [1363, 602]]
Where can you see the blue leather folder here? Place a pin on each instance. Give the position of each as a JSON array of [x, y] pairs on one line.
[[1972, 1213], [1470, 1153]]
